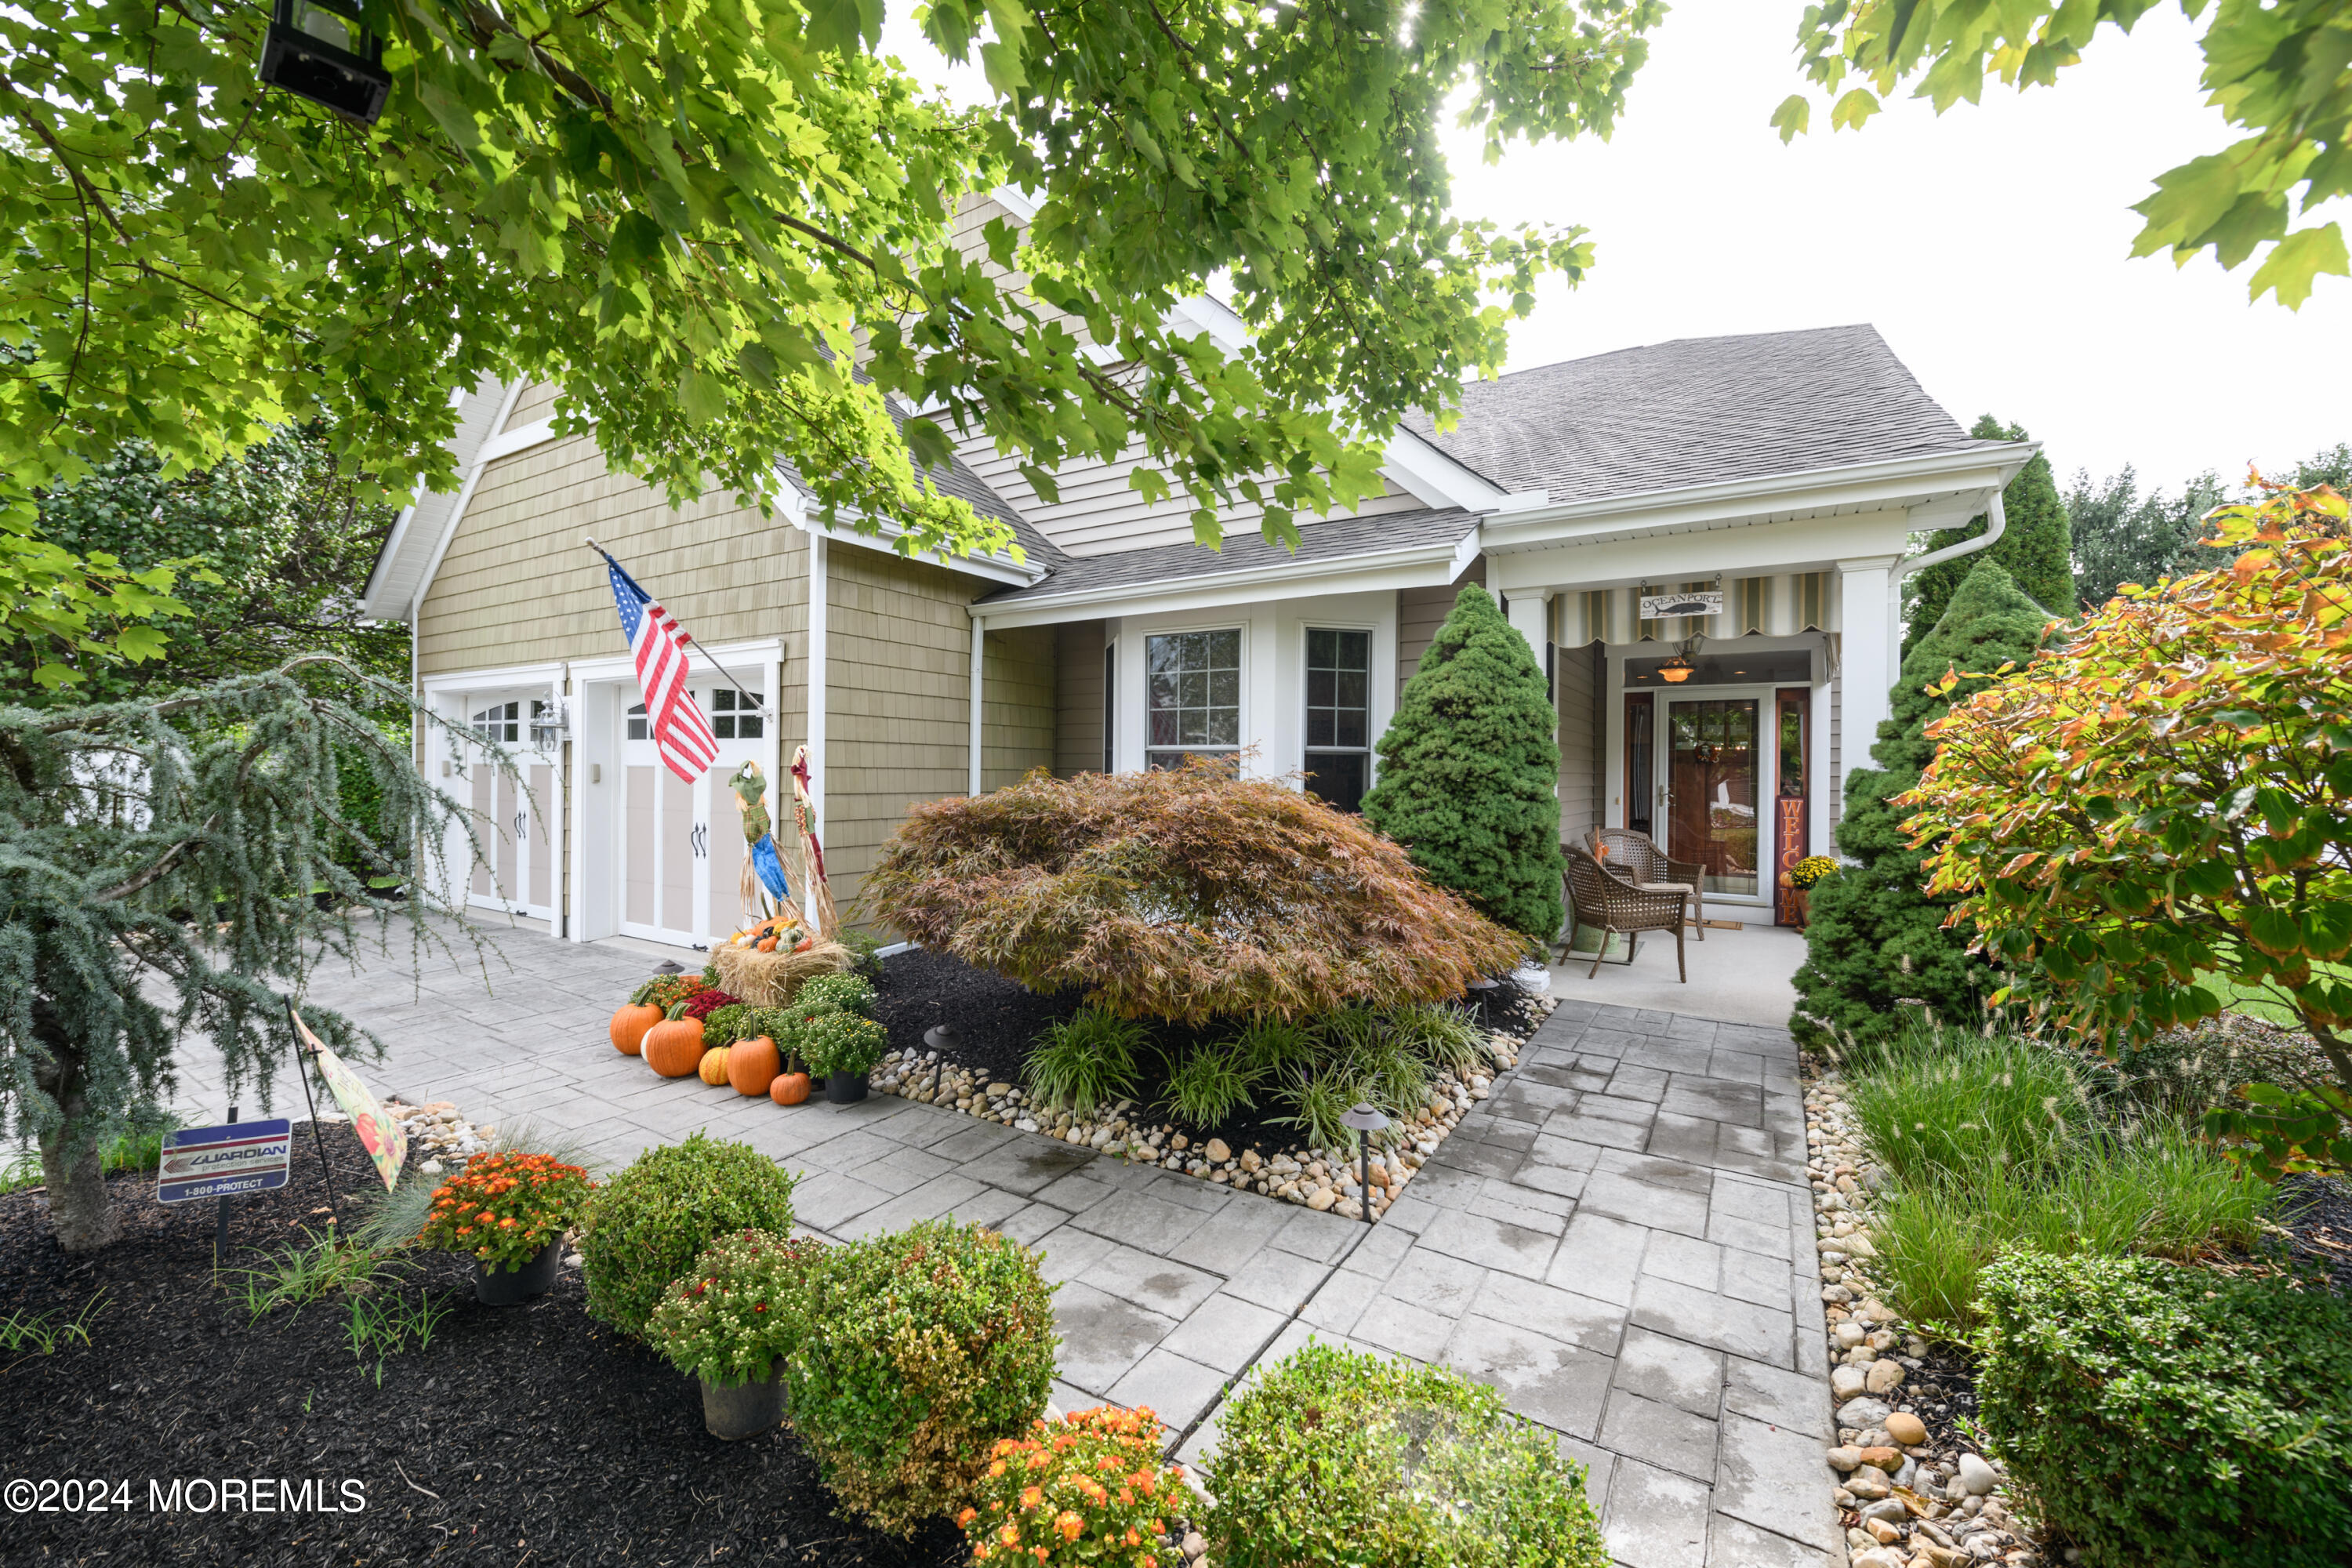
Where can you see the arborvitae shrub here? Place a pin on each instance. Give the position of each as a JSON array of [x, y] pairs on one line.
[[1470, 771], [1874, 939]]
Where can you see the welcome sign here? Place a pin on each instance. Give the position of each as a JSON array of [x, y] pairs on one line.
[[221, 1161], [1658, 606]]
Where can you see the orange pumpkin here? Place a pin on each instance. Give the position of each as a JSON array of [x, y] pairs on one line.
[[712, 1068], [673, 1047], [767, 944], [752, 1065], [630, 1024], [790, 1089]]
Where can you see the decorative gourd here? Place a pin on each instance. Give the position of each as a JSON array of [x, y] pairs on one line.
[[630, 1024], [752, 1065], [712, 1068], [673, 1048], [790, 1089]]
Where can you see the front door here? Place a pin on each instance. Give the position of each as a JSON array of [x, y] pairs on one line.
[[1712, 761]]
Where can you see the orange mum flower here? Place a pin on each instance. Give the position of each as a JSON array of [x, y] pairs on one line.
[[1009, 1535], [1071, 1525], [1032, 1498], [967, 1516]]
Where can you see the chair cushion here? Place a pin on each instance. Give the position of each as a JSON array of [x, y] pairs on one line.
[[1666, 887]]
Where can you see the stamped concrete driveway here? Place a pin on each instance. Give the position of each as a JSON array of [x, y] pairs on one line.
[[1619, 1238]]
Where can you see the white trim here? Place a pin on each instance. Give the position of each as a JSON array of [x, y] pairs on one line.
[[724, 659], [1021, 203], [522, 438], [895, 948], [545, 674], [464, 496], [1422, 467], [1413, 566], [995, 567], [1960, 476]]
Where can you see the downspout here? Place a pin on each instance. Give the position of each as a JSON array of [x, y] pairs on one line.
[[819, 593], [979, 693], [1996, 519]]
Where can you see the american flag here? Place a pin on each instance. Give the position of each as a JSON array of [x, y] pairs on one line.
[[657, 646]]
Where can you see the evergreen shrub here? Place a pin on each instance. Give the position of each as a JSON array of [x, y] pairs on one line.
[[1874, 939], [646, 1227], [923, 1349], [1336, 1458], [2158, 1413], [1469, 779]]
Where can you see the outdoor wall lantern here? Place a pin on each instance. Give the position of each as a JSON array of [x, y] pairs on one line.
[[321, 52], [1363, 1119], [1677, 669]]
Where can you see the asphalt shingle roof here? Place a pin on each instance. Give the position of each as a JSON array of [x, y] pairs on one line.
[[1697, 411], [1336, 539]]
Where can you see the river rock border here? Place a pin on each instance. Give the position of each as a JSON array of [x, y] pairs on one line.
[[1320, 1179], [1912, 1489]]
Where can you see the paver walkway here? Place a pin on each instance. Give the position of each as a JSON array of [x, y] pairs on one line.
[[1620, 1238]]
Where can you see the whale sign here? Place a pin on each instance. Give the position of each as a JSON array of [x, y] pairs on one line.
[[222, 1161]]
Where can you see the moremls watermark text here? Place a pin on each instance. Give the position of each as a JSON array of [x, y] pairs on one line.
[[194, 1494]]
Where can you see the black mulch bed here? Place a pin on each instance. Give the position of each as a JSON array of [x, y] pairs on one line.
[[2318, 1213], [548, 1438], [998, 1020]]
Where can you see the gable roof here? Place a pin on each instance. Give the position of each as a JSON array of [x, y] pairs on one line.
[[1697, 411]]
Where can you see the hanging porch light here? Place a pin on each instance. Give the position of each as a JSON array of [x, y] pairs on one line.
[[1678, 667], [319, 51]]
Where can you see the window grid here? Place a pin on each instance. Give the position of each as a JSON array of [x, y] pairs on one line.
[[1338, 715], [1193, 696], [500, 722], [734, 715]]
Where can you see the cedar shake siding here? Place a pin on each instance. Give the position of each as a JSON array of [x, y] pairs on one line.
[[1078, 698]]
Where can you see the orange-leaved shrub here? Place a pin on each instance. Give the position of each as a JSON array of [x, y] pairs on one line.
[[1187, 894]]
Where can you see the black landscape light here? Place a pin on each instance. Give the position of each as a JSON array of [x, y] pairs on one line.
[[942, 1037], [1364, 1120], [321, 52]]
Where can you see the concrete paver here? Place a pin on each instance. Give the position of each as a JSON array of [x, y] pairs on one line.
[[1619, 1238]]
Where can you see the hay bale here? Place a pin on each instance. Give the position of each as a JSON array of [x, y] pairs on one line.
[[773, 979]]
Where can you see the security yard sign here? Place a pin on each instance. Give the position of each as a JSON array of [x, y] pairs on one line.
[[222, 1161]]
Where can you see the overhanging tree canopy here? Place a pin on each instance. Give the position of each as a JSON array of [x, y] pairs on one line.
[[2280, 71], [689, 214]]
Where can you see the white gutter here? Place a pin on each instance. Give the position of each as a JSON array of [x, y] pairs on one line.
[[1996, 521]]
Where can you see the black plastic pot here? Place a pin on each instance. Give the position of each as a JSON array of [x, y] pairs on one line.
[[744, 1410], [845, 1087], [506, 1287]]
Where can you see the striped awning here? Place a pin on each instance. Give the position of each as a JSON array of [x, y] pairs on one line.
[[1779, 605]]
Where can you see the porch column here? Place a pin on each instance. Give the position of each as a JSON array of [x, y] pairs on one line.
[[1530, 612], [1865, 664]]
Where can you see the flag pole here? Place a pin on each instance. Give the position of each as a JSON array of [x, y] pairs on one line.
[[757, 706]]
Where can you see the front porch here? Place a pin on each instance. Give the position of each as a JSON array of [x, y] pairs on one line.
[[1736, 977]]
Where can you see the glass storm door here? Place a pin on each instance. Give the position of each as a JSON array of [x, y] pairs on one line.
[[1711, 761]]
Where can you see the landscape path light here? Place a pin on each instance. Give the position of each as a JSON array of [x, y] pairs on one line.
[[1364, 1121]]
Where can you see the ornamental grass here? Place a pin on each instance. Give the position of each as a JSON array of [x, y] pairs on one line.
[[1185, 894]]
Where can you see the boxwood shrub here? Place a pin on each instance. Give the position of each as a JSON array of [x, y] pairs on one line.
[[923, 1349], [647, 1225], [1333, 1457], [2161, 1414]]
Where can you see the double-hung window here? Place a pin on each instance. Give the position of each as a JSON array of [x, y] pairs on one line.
[[1194, 696], [1338, 716]]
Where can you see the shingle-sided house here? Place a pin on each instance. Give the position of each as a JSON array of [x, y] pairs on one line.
[[1759, 494]]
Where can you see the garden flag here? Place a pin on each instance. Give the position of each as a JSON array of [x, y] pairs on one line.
[[658, 647], [385, 1139]]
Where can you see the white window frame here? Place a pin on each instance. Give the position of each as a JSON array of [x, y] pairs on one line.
[[1240, 631], [1372, 707]]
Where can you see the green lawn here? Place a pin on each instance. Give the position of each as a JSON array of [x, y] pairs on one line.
[[2264, 1002]]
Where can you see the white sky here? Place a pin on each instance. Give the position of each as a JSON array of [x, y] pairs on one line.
[[1991, 245]]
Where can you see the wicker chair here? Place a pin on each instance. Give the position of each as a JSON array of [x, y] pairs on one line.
[[1646, 866], [1602, 898]]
